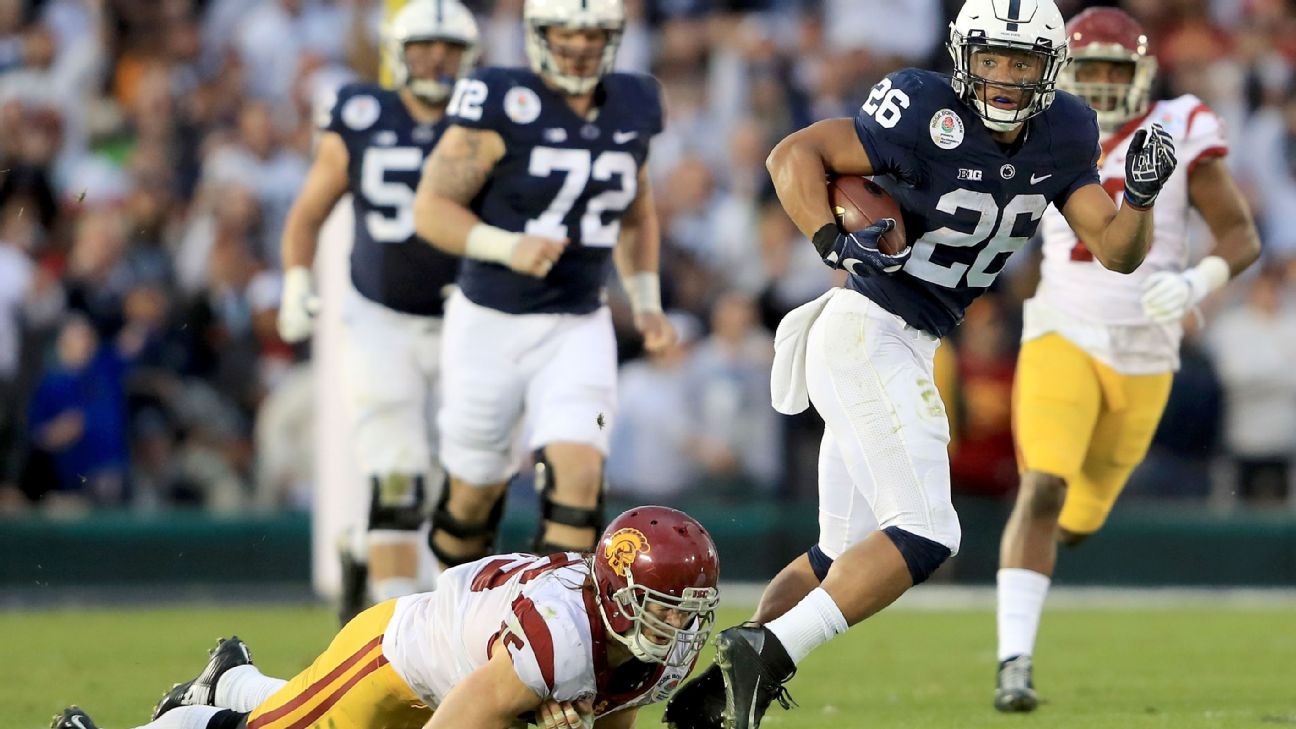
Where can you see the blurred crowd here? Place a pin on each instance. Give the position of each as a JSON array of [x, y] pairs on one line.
[[149, 150]]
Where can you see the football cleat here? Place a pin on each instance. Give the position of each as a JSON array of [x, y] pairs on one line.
[[229, 653], [1015, 691], [698, 704], [754, 666], [73, 718]]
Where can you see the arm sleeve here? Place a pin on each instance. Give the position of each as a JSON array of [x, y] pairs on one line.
[[331, 121], [548, 652], [478, 100], [1204, 137], [886, 126], [1088, 167]]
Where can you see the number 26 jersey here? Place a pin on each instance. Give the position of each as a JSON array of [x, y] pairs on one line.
[[968, 201], [561, 176]]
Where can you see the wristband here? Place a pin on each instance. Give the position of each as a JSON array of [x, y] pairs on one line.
[[644, 290], [488, 243]]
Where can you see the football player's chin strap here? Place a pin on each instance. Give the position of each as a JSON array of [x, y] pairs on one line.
[[572, 516], [444, 521]]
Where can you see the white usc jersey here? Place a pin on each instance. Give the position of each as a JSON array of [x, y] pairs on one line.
[[537, 608], [1099, 309]]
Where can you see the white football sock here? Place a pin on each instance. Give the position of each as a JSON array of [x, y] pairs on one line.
[[243, 688], [1021, 600], [185, 717], [393, 587], [814, 621]]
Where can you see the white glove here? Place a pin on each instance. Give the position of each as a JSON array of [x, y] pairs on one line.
[[1167, 296], [298, 305]]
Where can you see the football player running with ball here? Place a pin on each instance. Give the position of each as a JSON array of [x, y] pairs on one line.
[[974, 162], [540, 183], [1099, 349], [565, 640], [373, 144]]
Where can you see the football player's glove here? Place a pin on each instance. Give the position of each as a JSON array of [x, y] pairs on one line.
[[297, 306], [1149, 162], [1168, 295], [858, 252]]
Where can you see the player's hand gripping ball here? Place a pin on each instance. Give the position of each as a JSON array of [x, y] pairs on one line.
[[868, 235]]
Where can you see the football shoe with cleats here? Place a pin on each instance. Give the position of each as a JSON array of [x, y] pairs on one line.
[[201, 691], [1015, 692], [754, 665]]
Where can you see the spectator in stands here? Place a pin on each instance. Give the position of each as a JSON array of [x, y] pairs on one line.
[[78, 415], [651, 456], [1254, 346], [738, 439]]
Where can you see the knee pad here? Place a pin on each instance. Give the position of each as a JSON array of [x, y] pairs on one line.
[[397, 503], [572, 516], [444, 521], [921, 554], [819, 562]]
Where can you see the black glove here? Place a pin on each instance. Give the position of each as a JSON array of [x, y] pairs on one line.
[[1149, 162], [858, 252]]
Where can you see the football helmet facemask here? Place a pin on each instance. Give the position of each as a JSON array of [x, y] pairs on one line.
[[656, 556], [1025, 30], [540, 15], [430, 20], [1109, 34]]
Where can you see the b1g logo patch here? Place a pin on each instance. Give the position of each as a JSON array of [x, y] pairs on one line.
[[360, 112], [946, 129], [522, 105], [624, 546]]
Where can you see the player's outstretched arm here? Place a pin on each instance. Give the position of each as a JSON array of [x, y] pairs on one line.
[[491, 697], [455, 172], [801, 163], [325, 184], [638, 259], [1121, 239], [1168, 295]]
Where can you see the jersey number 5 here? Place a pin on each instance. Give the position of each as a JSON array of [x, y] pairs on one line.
[[379, 191], [578, 170]]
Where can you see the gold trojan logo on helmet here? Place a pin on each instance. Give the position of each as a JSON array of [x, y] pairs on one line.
[[623, 547]]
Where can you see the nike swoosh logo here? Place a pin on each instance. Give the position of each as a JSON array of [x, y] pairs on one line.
[[623, 137], [1042, 178], [751, 713], [76, 721]]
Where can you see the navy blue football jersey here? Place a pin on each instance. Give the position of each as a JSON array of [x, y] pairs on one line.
[[561, 176], [968, 203], [385, 152]]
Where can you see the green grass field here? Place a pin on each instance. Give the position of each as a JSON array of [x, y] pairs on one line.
[[905, 669]]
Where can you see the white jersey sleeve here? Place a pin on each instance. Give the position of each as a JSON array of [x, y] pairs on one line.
[[547, 635]]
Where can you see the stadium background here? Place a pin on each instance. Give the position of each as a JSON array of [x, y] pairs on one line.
[[150, 149]]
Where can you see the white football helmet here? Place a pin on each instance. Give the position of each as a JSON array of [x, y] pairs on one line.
[[537, 15], [1031, 26], [430, 20]]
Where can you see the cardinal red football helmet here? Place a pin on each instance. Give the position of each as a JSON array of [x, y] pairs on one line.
[[653, 555], [1108, 34]]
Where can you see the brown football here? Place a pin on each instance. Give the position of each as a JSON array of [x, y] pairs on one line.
[[857, 202]]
